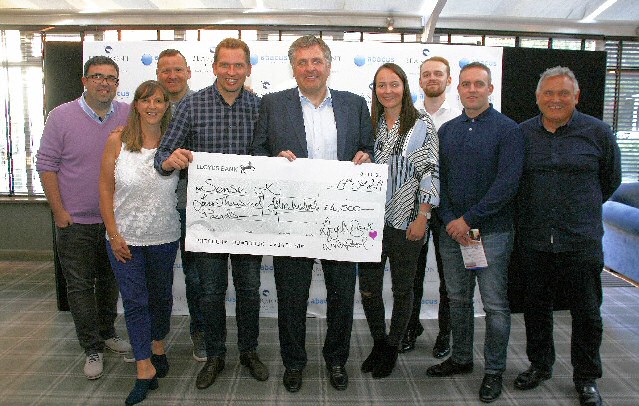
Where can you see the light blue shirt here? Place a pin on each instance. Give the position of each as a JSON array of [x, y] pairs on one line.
[[87, 109], [320, 127]]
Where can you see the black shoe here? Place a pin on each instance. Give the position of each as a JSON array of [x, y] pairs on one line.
[[161, 365], [338, 377], [442, 346], [589, 395], [490, 388], [141, 388], [209, 372], [292, 379], [387, 360], [449, 368], [408, 342], [373, 358], [531, 378], [256, 367]]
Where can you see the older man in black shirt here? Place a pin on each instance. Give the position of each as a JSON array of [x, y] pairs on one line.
[[572, 166]]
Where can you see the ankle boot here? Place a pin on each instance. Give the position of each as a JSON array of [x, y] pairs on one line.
[[373, 357], [141, 388], [387, 360]]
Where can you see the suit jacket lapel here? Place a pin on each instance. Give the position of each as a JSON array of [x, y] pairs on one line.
[[296, 118], [340, 111]]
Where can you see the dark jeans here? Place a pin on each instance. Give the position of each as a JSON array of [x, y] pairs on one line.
[[146, 285], [91, 287], [191, 281], [443, 312], [403, 255], [293, 281], [213, 273], [580, 273]]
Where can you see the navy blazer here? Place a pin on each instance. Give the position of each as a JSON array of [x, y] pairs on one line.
[[280, 126]]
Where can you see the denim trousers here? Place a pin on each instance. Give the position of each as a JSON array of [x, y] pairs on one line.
[[146, 286], [443, 311], [191, 281], [213, 271], [92, 290], [579, 272], [402, 255], [493, 288], [292, 282]]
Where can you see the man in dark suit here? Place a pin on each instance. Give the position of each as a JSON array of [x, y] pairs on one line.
[[313, 121]]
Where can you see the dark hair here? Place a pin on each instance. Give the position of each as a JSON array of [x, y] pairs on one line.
[[233, 43], [408, 114], [480, 66], [308, 41], [171, 52], [132, 132], [100, 60]]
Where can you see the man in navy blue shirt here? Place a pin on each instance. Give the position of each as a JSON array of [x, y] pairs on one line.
[[481, 159], [572, 166]]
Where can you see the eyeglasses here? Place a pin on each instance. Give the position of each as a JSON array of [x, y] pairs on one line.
[[99, 78]]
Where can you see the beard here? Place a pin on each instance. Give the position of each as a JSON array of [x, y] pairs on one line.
[[434, 93]]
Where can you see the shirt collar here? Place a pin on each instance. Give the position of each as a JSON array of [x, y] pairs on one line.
[[481, 116], [87, 109], [328, 100]]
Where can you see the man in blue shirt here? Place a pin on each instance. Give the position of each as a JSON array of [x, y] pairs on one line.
[[481, 159], [572, 166], [220, 118]]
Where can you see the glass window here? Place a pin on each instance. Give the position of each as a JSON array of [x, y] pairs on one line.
[[566, 43], [500, 41], [525, 42]]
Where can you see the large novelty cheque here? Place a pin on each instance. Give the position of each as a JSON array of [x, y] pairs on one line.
[[311, 208]]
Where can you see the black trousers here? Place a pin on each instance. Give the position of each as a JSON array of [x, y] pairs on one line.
[[580, 273], [443, 312]]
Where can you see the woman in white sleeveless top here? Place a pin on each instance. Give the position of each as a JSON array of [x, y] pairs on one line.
[[143, 229]]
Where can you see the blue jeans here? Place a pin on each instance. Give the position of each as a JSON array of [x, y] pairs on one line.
[[403, 255], [192, 282], [91, 287], [146, 285], [292, 281], [213, 273], [493, 287], [579, 272]]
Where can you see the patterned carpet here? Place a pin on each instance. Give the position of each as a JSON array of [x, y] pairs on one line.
[[41, 361]]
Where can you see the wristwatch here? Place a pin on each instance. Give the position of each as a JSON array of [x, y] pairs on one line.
[[425, 214]]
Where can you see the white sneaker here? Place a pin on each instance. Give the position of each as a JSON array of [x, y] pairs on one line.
[[94, 365], [129, 357], [118, 345]]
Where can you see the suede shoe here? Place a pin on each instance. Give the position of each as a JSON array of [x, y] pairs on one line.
[[209, 372], [161, 364], [292, 380], [118, 345], [589, 395], [141, 388], [256, 367], [410, 337], [490, 388], [93, 365], [199, 347], [373, 358], [442, 346], [449, 368], [531, 378], [338, 377], [386, 364]]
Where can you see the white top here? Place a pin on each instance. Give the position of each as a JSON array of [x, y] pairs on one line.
[[144, 201], [445, 113], [320, 126]]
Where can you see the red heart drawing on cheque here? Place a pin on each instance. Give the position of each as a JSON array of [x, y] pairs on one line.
[[372, 234]]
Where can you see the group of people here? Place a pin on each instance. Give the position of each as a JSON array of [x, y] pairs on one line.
[[115, 177]]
